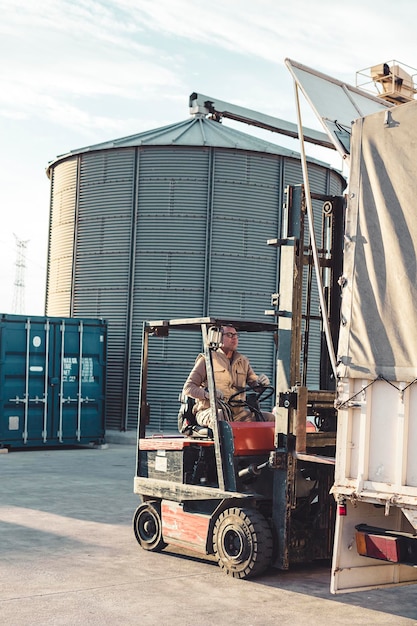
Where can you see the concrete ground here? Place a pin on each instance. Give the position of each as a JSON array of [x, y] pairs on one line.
[[69, 557]]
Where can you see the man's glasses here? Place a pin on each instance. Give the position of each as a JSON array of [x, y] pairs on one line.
[[231, 335]]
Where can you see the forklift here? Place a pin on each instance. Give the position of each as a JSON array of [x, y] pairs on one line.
[[253, 494]]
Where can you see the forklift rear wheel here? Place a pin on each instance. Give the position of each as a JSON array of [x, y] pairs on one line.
[[242, 542], [147, 526]]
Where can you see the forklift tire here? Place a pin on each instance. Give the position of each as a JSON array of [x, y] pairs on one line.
[[242, 542], [147, 526]]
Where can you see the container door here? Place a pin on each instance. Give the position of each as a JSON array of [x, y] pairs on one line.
[[79, 369], [24, 371]]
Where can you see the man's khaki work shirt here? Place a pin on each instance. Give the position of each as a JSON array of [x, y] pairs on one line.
[[230, 375]]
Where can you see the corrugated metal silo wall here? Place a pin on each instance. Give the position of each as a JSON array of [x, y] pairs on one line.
[[103, 257], [99, 238], [203, 221], [164, 232], [61, 239]]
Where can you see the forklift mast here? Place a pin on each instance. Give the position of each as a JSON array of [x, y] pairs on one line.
[[299, 452], [293, 307]]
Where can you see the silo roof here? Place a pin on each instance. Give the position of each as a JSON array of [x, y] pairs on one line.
[[195, 131]]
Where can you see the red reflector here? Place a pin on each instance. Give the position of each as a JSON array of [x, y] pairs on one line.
[[380, 547], [341, 509]]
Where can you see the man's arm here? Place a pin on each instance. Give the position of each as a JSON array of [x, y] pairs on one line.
[[195, 384], [253, 380], [251, 377]]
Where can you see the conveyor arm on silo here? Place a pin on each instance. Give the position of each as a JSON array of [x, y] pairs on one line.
[[218, 108]]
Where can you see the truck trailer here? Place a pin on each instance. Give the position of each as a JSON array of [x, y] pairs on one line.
[[376, 465]]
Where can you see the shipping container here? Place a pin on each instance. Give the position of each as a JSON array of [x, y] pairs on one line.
[[52, 381]]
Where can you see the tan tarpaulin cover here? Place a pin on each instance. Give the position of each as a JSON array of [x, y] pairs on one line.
[[378, 334]]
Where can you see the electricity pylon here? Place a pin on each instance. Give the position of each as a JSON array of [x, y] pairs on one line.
[[19, 280]]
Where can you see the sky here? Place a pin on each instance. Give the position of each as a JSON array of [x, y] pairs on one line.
[[78, 72]]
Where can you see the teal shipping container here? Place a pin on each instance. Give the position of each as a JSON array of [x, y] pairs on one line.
[[52, 381]]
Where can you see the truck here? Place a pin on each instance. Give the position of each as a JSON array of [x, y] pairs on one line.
[[263, 494], [376, 467], [375, 482]]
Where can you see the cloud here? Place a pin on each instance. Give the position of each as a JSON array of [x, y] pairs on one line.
[[11, 114], [64, 56], [335, 35]]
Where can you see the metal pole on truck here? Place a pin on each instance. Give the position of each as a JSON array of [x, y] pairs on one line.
[[323, 306]]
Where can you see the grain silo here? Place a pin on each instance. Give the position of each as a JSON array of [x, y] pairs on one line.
[[168, 223]]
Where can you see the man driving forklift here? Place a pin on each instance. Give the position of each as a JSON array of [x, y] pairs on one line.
[[232, 373]]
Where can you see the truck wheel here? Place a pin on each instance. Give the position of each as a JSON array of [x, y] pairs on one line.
[[242, 542], [147, 527]]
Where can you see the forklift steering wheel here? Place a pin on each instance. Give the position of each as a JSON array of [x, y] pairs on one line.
[[263, 394]]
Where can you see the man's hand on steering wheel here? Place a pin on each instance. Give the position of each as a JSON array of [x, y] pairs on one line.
[[263, 381]]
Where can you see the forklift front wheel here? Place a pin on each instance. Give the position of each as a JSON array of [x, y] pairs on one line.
[[242, 542], [147, 526]]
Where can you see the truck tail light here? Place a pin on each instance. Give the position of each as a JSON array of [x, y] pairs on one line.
[[378, 546], [386, 545]]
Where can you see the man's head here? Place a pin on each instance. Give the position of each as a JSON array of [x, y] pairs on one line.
[[230, 339]]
